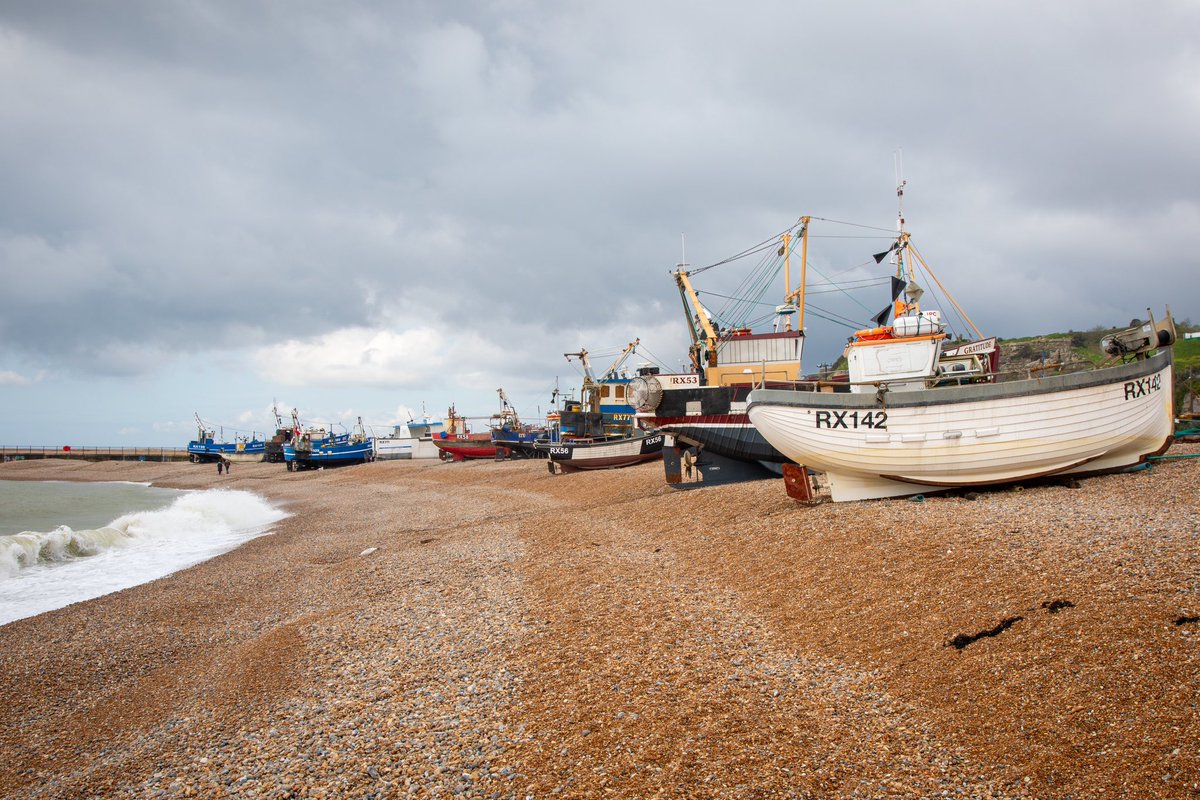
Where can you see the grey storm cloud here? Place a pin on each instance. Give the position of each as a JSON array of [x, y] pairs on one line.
[[183, 177]]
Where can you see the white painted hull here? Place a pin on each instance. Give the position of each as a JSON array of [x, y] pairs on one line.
[[934, 439], [245, 458], [391, 449]]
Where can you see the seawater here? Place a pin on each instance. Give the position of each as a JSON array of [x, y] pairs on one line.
[[61, 543]]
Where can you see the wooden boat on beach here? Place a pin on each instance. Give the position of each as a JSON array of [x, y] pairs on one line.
[[283, 435], [920, 417], [598, 431]]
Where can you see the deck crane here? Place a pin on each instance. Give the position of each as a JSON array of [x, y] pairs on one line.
[[616, 365], [699, 324], [508, 414], [589, 392]]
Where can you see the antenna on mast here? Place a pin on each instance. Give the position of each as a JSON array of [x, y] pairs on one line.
[[900, 182]]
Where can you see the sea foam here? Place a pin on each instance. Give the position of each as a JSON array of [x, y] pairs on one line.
[[40, 571]]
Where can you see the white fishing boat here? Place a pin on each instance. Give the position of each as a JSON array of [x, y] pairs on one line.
[[921, 418], [414, 440]]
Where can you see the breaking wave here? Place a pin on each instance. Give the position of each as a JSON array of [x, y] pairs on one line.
[[41, 570]]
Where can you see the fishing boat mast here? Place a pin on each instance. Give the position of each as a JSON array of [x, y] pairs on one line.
[[793, 302], [700, 324], [912, 291]]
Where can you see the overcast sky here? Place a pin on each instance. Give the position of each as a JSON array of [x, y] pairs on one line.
[[358, 208]]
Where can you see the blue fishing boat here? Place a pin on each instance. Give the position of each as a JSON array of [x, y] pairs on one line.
[[513, 438], [206, 449], [315, 448]]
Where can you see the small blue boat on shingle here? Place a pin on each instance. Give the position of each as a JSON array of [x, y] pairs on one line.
[[314, 448], [205, 449]]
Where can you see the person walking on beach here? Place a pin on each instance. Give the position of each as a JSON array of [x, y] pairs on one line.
[[220, 466], [228, 466]]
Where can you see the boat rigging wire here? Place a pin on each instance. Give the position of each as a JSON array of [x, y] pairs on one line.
[[768, 243], [841, 290], [856, 225], [822, 288], [834, 317], [655, 360], [947, 293]]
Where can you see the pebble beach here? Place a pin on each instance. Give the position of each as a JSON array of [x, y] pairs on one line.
[[490, 630]]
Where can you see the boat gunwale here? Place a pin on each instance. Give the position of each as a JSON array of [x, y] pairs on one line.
[[971, 393]]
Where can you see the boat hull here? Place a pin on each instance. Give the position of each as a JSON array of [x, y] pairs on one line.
[[393, 449], [688, 466], [892, 444], [605, 454], [519, 444], [209, 451], [463, 446], [337, 454], [247, 456], [397, 449], [711, 417], [711, 433], [732, 436]]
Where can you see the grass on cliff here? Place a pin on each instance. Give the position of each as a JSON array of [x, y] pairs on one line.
[[1086, 346]]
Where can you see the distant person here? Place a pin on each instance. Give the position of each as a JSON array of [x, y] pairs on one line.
[[220, 466], [228, 466]]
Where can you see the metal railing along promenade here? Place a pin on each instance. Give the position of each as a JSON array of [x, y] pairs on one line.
[[27, 452]]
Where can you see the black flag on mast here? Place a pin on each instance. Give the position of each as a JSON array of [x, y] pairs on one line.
[[880, 319], [881, 256]]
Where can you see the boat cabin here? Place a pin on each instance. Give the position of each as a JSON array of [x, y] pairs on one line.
[[909, 355]]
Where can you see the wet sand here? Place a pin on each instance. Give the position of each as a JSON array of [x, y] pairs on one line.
[[516, 634]]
